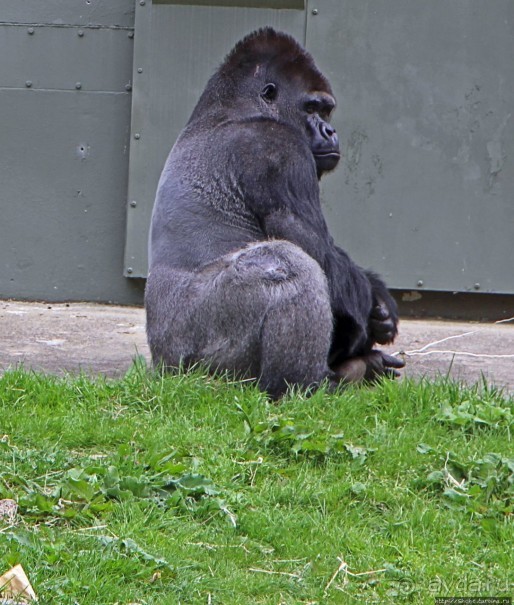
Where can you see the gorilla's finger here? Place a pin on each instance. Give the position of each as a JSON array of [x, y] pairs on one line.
[[390, 361], [382, 332], [382, 324], [380, 312]]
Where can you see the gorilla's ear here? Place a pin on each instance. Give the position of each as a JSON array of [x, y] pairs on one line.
[[269, 92]]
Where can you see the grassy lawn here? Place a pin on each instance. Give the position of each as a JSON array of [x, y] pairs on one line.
[[186, 489]]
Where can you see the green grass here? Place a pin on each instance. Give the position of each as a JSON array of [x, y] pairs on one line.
[[187, 489]]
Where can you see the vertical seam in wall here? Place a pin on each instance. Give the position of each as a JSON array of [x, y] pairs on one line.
[[305, 23]]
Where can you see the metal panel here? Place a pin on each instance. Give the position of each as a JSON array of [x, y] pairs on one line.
[[64, 154], [64, 181], [108, 13], [64, 58], [426, 96], [177, 48]]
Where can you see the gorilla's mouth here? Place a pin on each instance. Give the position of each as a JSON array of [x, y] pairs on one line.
[[328, 154], [326, 161]]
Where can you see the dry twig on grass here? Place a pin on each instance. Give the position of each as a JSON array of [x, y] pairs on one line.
[[343, 566]]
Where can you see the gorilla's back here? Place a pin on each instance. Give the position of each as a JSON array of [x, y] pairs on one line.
[[200, 211]]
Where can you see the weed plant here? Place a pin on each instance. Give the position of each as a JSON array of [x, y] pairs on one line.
[[186, 489]]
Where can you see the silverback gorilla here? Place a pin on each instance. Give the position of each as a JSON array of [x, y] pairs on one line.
[[244, 275]]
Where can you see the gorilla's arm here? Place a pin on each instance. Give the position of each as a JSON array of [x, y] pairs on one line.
[[284, 197], [382, 325], [364, 313], [349, 287]]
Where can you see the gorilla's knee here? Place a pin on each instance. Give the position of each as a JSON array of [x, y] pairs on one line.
[[262, 261], [279, 261]]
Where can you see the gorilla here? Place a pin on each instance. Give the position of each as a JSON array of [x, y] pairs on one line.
[[244, 275]]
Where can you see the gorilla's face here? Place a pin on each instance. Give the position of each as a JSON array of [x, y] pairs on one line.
[[310, 111], [324, 142]]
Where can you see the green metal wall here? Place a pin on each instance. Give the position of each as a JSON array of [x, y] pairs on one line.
[[425, 192], [65, 104]]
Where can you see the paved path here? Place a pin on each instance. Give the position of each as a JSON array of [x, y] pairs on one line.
[[103, 339]]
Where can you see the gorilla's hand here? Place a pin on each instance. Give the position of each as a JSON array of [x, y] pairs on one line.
[[383, 317], [369, 367], [383, 322]]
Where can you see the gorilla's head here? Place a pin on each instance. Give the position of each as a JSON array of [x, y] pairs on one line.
[[269, 74]]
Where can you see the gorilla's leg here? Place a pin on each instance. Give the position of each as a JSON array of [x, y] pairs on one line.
[[263, 311]]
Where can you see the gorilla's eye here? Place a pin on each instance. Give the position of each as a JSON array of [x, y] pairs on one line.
[[311, 107], [269, 92]]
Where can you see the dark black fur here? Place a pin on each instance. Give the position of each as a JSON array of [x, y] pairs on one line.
[[244, 274]]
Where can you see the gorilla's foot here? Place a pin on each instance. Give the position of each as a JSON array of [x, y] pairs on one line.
[[368, 367]]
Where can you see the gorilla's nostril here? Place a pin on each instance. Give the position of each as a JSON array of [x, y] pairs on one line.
[[326, 130]]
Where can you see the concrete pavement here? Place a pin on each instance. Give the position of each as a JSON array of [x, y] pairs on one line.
[[60, 338]]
